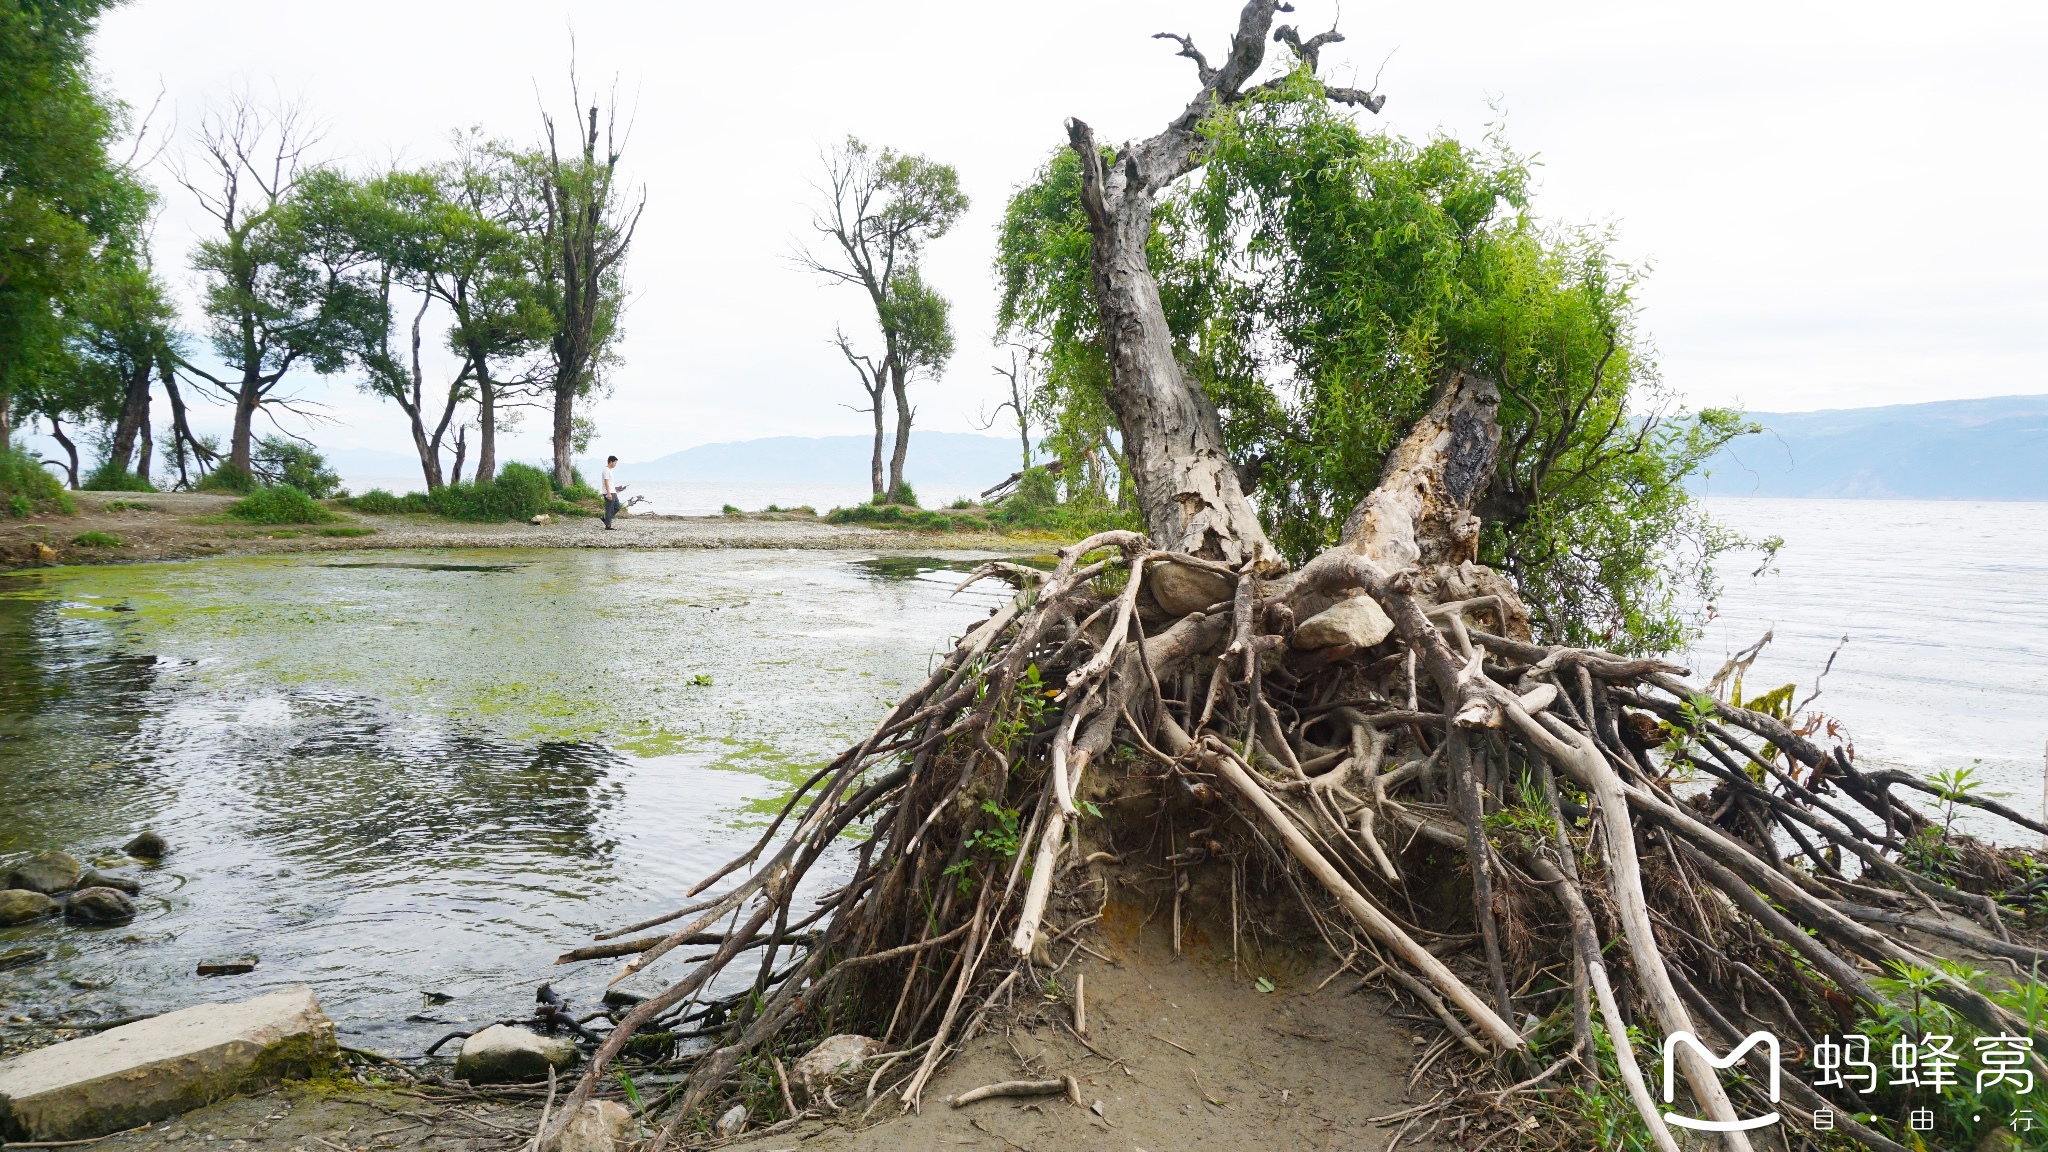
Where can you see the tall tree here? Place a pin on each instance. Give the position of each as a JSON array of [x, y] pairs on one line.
[[1187, 486], [580, 224], [270, 304], [125, 336], [63, 199], [484, 278], [880, 209]]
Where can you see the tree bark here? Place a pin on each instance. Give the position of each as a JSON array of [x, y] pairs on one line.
[[134, 416], [486, 421], [902, 447], [1188, 488], [247, 400], [70, 451]]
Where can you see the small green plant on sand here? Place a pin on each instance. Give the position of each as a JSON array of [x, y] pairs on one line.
[[97, 540], [283, 504]]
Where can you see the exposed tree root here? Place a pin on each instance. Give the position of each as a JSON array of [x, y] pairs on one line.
[[1307, 764]]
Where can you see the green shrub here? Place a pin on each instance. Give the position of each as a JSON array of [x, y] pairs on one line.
[[108, 478], [731, 510], [225, 477], [283, 504], [279, 460], [517, 492], [904, 495], [912, 518], [27, 488], [378, 502], [97, 540]]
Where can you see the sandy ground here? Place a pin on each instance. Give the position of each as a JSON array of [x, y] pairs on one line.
[[181, 525], [1180, 1056]]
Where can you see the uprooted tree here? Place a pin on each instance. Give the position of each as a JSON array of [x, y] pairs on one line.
[[1332, 736]]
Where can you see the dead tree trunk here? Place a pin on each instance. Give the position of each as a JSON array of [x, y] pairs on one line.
[[1188, 488]]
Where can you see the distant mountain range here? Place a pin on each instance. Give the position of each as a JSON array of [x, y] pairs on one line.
[[1991, 449], [946, 463]]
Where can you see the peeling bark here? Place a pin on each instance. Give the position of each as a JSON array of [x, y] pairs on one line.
[[1188, 488]]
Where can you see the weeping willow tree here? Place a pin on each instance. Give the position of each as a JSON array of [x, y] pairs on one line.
[[1353, 703]]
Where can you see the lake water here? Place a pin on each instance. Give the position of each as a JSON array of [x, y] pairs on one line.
[[1945, 606], [394, 773]]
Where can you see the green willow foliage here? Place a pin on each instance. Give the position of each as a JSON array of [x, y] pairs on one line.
[[1320, 279]]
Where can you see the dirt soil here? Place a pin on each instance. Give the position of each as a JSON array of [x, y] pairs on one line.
[[183, 525], [1180, 1056]]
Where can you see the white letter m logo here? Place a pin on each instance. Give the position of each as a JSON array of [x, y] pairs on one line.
[[1671, 1043]]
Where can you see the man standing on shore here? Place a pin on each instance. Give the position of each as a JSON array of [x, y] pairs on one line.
[[611, 491]]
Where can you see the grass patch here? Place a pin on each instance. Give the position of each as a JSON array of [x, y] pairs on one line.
[[1033, 510], [27, 488], [348, 531], [127, 506], [108, 478], [98, 540], [518, 492], [283, 504]]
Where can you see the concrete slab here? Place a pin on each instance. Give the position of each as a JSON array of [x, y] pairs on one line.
[[163, 1066]]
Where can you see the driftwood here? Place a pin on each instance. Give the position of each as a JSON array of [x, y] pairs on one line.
[[1164, 675]]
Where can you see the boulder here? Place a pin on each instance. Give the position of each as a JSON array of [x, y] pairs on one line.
[[147, 846], [503, 1053], [94, 878], [143, 1072], [542, 518], [733, 1122], [598, 1126], [19, 905], [835, 1058], [99, 906], [1357, 622], [634, 989], [47, 872], [1180, 590]]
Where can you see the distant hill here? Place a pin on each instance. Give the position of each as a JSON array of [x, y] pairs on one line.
[[1991, 449], [950, 462]]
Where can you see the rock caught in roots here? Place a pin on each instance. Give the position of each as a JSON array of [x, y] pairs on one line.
[[1456, 731]]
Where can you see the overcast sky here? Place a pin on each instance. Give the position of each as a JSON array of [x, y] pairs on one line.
[[1840, 203]]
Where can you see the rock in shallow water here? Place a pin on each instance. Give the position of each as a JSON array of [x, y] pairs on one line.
[[503, 1053], [48, 873], [163, 1066], [19, 905], [94, 878], [99, 906], [228, 966], [147, 846]]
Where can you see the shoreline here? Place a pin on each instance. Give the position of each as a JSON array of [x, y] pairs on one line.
[[162, 526]]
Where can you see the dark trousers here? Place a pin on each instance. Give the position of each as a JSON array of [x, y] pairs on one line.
[[611, 509]]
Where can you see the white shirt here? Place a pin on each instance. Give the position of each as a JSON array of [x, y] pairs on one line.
[[608, 489]]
